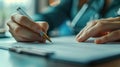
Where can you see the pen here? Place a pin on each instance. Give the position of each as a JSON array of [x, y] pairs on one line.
[[22, 12]]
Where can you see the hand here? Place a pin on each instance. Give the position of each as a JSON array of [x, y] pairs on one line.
[[105, 30], [24, 29]]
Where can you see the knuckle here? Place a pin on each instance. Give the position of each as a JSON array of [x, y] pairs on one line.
[[86, 33], [34, 26], [101, 24], [18, 18], [17, 29], [21, 19], [13, 17], [8, 22], [92, 23], [45, 26]]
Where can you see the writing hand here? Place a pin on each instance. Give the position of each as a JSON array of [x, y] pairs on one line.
[[24, 29]]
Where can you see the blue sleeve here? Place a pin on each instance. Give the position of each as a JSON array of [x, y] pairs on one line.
[[56, 15], [112, 10]]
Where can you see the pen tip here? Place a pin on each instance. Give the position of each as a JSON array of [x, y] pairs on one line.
[[50, 41]]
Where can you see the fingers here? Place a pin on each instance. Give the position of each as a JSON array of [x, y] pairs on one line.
[[24, 29], [23, 34], [84, 34], [19, 39], [113, 36], [24, 21], [89, 25], [87, 34], [96, 29], [111, 19], [44, 25]]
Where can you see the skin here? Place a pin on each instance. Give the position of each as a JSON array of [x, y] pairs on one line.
[[104, 30], [25, 30]]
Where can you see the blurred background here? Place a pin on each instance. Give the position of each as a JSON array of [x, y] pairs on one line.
[[8, 7], [32, 7]]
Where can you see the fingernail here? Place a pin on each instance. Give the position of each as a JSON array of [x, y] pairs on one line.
[[80, 39], [97, 41]]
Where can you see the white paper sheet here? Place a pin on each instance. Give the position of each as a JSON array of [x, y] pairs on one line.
[[68, 49]]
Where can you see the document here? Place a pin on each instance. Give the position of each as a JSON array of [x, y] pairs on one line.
[[69, 50]]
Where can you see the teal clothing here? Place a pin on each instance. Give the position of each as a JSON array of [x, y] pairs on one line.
[[67, 10]]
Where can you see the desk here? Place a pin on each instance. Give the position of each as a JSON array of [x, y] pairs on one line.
[[10, 59]]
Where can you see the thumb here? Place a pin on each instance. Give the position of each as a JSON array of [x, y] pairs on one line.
[[44, 26]]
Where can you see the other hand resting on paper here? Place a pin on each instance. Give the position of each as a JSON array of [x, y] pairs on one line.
[[24, 29], [106, 30]]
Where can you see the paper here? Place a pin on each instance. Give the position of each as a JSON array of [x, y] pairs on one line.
[[69, 50]]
